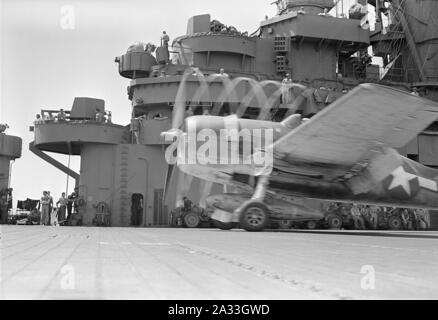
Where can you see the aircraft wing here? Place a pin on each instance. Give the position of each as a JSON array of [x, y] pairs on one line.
[[356, 125]]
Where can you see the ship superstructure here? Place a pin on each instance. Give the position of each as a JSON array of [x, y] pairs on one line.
[[123, 166], [10, 149]]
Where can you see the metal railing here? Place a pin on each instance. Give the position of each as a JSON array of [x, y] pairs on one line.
[[405, 75], [55, 116]]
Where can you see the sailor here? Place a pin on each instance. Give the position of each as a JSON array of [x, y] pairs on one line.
[[72, 203], [317, 95], [136, 210], [232, 29], [62, 207], [413, 218], [189, 112], [62, 116], [359, 223], [357, 11], [286, 86], [45, 209], [50, 206], [165, 40], [325, 13], [280, 6], [135, 129], [421, 219], [215, 26], [3, 127], [99, 115], [109, 117], [38, 119], [150, 48], [426, 217], [365, 58], [187, 204], [331, 207], [3, 209], [423, 224], [374, 216], [9, 197], [69, 206], [76, 201], [407, 225], [222, 73]]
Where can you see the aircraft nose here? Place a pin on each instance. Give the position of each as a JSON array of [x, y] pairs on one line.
[[215, 123], [197, 123]]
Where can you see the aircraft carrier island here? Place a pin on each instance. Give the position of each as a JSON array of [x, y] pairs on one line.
[[344, 97]]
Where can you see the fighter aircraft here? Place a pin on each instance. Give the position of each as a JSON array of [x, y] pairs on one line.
[[345, 153]]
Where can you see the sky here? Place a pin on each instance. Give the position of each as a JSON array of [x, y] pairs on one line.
[[52, 51]]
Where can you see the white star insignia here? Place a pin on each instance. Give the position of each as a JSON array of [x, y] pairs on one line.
[[402, 179]]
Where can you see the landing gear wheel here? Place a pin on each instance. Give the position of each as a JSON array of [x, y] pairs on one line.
[[395, 223], [285, 224], [225, 225], [191, 220], [254, 217], [334, 222], [311, 225]]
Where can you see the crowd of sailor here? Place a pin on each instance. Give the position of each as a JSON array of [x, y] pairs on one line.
[[5, 204], [43, 211], [61, 116], [372, 217], [3, 127], [350, 216], [218, 27]]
